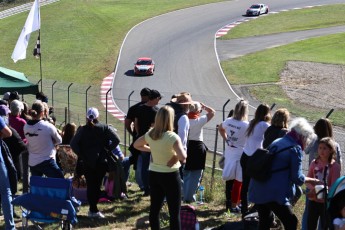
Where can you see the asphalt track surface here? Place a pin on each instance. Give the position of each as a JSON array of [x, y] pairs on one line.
[[234, 48], [183, 45], [187, 56]]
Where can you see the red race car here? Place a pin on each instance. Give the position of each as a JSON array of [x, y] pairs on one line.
[[144, 66]]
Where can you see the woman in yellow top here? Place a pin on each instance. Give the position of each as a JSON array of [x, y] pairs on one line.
[[164, 177]]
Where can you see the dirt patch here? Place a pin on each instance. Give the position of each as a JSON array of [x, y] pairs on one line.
[[316, 84]]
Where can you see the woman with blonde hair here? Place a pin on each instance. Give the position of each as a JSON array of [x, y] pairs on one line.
[[164, 177], [233, 131]]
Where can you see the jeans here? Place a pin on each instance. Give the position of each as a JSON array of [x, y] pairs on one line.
[[191, 182], [126, 164], [48, 168], [6, 196], [138, 173], [165, 185], [145, 156], [283, 212], [305, 214]]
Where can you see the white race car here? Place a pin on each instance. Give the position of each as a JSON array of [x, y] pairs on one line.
[[257, 9]]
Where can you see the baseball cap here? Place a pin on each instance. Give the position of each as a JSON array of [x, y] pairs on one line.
[[145, 92], [155, 94], [4, 110], [92, 113]]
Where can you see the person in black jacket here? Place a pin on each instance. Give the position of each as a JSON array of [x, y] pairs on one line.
[[91, 143], [278, 128]]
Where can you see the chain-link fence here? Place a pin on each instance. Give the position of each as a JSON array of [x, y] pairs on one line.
[[76, 98], [6, 4]]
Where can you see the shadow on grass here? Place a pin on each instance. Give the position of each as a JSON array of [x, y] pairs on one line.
[[119, 211]]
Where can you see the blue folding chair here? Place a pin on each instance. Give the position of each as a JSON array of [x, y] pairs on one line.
[[49, 201]]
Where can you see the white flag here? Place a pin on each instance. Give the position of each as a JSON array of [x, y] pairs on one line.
[[33, 23]]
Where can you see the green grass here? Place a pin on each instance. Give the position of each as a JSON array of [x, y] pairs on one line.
[[80, 43], [269, 63], [133, 213], [265, 66], [294, 20]]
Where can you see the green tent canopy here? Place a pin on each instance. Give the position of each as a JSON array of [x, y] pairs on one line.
[[11, 80]]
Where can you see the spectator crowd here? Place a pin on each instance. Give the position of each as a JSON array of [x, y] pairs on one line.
[[168, 155]]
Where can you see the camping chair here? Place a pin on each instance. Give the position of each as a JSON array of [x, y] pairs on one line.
[[49, 201]]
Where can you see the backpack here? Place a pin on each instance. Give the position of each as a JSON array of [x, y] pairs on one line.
[[188, 218], [259, 165]]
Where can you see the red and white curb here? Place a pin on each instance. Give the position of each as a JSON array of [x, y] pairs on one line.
[[224, 30], [108, 101]]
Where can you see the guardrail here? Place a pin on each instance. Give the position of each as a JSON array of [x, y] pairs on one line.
[[9, 8]]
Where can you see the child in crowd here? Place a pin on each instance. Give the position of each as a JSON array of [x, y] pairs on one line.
[[327, 170], [339, 222]]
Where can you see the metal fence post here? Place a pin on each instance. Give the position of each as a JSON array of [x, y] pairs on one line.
[[224, 119], [65, 115], [39, 82], [106, 106], [68, 111], [53, 93], [125, 130], [329, 113], [272, 106], [86, 98], [214, 158]]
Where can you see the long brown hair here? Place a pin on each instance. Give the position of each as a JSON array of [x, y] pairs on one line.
[[329, 142], [262, 113], [68, 131], [323, 128]]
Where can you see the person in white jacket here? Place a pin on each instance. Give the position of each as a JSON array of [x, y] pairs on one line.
[[233, 131], [42, 137]]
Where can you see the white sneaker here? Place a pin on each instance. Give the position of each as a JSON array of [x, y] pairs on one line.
[[95, 215]]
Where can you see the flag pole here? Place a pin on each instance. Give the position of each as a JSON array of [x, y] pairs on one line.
[[39, 35]]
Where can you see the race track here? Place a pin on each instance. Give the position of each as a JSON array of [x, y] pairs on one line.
[[182, 43]]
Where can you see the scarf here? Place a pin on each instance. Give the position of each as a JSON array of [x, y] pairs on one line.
[[297, 137], [193, 115]]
